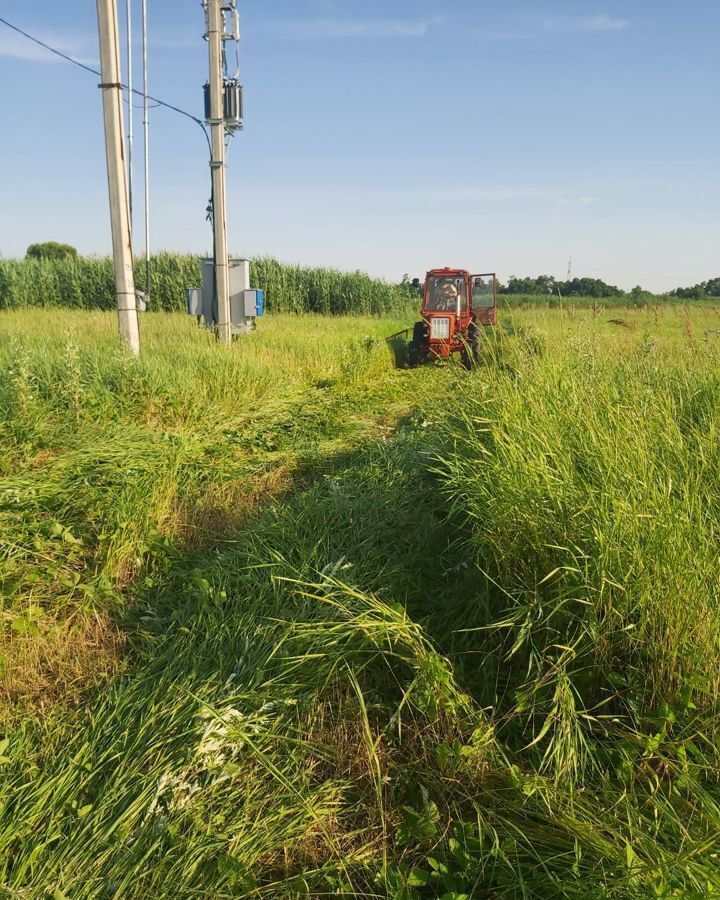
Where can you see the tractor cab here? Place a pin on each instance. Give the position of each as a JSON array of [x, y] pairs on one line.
[[456, 306]]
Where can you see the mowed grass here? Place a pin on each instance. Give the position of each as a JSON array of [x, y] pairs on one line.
[[290, 621]]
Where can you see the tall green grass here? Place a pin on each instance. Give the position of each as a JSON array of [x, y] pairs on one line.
[[373, 632], [589, 484], [87, 283]]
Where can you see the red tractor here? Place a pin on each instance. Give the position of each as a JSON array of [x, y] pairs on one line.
[[456, 307]]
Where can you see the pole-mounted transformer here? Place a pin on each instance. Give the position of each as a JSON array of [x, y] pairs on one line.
[[232, 89], [232, 104]]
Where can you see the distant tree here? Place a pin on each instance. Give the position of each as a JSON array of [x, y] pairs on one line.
[[51, 250], [513, 286], [639, 296], [696, 292], [544, 284], [588, 287], [712, 287]]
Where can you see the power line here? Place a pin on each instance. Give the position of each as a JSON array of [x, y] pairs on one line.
[[76, 62], [57, 52], [142, 94]]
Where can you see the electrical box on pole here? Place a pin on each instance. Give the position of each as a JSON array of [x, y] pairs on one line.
[[246, 303]]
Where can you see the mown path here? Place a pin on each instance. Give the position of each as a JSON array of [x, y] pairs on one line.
[[141, 785]]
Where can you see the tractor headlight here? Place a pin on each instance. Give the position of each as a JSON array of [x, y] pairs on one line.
[[439, 328]]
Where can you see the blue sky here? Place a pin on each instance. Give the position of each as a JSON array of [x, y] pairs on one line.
[[397, 136]]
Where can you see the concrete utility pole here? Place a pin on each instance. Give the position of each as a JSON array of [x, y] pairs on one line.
[[217, 167], [117, 174], [128, 24], [146, 148]]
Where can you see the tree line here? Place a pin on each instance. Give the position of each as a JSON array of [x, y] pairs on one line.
[[547, 285], [709, 288]]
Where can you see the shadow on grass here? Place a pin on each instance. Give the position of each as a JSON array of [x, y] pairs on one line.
[[398, 345], [375, 514]]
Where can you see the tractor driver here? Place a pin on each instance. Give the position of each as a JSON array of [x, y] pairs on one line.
[[448, 295]]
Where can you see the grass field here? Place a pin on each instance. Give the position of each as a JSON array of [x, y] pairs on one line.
[[290, 621]]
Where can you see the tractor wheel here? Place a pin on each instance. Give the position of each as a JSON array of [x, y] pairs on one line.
[[471, 349], [420, 333], [418, 346]]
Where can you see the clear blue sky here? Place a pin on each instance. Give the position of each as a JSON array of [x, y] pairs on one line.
[[394, 137]]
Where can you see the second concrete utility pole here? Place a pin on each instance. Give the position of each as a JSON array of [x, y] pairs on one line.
[[117, 173]]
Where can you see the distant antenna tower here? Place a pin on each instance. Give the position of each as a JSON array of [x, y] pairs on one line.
[[569, 268]]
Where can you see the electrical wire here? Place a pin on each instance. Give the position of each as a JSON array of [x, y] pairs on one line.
[[76, 62], [158, 102]]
